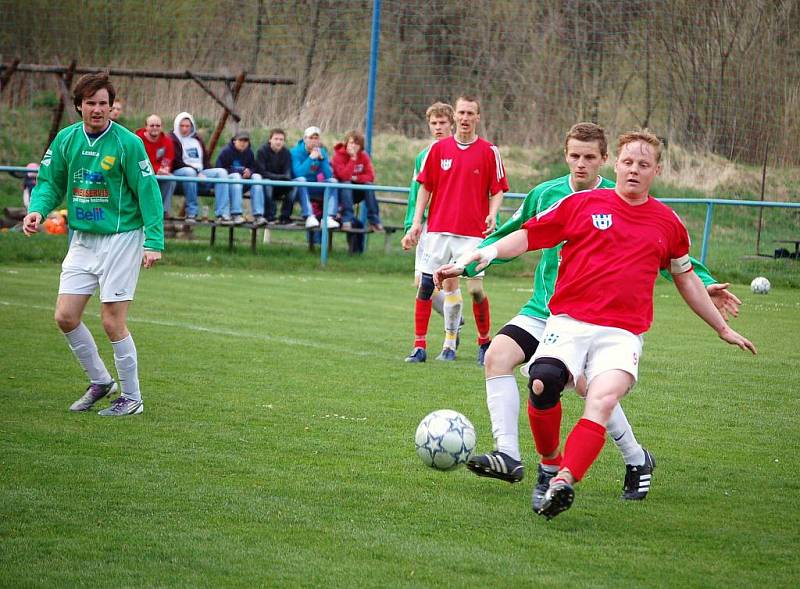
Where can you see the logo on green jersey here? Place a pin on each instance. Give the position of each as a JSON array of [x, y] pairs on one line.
[[145, 168], [85, 176], [108, 162]]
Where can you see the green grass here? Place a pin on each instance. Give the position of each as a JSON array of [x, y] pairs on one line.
[[276, 447]]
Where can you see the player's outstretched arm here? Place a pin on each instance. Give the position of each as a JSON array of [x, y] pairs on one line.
[[694, 293]]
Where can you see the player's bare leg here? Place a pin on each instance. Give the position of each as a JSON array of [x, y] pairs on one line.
[[639, 462], [586, 439]]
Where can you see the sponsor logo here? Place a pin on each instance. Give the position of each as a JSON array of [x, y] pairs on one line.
[[99, 193], [446, 164], [145, 168], [96, 214], [635, 358], [476, 171], [161, 152], [108, 162], [88, 176], [602, 222], [90, 153], [550, 338], [48, 155], [121, 293]]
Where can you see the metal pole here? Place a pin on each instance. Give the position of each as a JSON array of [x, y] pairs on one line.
[[373, 71], [761, 209], [323, 227], [706, 232]]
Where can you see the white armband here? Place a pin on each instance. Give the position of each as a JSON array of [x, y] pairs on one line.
[[680, 265]]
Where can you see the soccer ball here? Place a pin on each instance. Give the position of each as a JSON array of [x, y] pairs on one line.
[[445, 439], [760, 285]]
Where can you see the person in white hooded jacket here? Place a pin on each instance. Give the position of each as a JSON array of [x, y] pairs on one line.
[[192, 159]]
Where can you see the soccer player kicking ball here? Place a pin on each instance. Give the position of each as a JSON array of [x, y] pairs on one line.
[[114, 207], [617, 240], [464, 180], [585, 151]]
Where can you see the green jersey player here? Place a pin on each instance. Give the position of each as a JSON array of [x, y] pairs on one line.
[[115, 210], [585, 150]]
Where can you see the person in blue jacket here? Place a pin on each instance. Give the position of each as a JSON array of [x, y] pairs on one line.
[[310, 163]]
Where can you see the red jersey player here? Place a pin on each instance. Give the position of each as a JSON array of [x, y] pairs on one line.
[[615, 243], [462, 184]]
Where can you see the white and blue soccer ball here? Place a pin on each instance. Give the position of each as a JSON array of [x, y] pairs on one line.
[[760, 285], [445, 439]]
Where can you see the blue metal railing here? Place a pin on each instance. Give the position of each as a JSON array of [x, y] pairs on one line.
[[324, 246]]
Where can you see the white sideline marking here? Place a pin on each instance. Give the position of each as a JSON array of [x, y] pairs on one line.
[[219, 331]]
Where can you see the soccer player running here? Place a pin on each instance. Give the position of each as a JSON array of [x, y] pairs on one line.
[[463, 180], [585, 151], [616, 240], [115, 210]]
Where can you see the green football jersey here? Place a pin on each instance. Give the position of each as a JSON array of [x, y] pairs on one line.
[[414, 189], [108, 182], [541, 198]]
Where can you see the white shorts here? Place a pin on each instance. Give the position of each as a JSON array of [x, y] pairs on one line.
[[588, 349], [533, 325], [420, 250], [444, 248], [111, 262]]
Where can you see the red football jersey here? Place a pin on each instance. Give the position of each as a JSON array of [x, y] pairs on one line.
[[460, 182], [612, 255]]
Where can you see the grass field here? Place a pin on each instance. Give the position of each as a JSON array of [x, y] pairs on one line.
[[276, 447]]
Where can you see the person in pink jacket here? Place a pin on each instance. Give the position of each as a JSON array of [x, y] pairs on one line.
[[352, 165]]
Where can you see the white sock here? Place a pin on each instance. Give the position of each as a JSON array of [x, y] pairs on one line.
[[127, 365], [502, 398], [452, 316], [621, 432], [82, 344], [437, 302]]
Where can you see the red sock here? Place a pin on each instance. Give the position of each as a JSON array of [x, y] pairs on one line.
[[583, 446], [546, 430], [482, 320], [422, 315]]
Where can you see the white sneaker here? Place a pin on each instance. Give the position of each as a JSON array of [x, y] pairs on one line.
[[238, 219], [332, 223], [311, 222]]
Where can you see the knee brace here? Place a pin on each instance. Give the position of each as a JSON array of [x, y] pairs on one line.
[[554, 375], [426, 287]]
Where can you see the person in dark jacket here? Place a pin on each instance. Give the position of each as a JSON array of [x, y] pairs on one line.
[[238, 160], [274, 162]]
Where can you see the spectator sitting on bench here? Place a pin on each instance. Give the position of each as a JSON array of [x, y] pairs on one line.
[[274, 162], [352, 164], [238, 160], [310, 164], [192, 160], [160, 152]]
